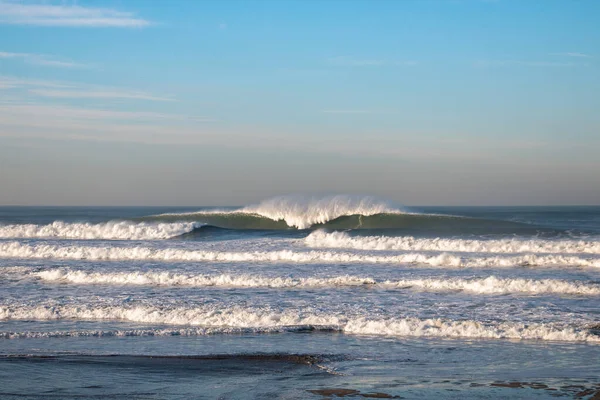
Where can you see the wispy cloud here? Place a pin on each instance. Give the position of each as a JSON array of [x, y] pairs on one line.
[[60, 14], [344, 61], [508, 63], [349, 112], [98, 94], [354, 62], [41, 59], [72, 90], [12, 82], [59, 112], [21, 120], [571, 54]]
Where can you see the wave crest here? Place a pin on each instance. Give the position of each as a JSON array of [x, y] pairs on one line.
[[488, 285], [303, 212], [342, 240], [45, 251], [119, 230], [235, 318]]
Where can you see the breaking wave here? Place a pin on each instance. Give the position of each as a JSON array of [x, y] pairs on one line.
[[120, 230], [283, 212], [48, 251], [304, 212], [346, 212], [342, 240], [236, 319], [488, 285]]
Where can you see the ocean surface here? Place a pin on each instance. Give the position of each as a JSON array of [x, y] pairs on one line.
[[298, 297]]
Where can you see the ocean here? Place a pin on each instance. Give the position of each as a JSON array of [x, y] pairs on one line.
[[300, 297]]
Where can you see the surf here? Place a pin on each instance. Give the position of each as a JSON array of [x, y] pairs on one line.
[[344, 212], [343, 240], [111, 230], [488, 285], [16, 250], [210, 320]]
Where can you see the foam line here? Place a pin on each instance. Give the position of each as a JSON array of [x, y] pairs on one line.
[[489, 285], [341, 240], [48, 251], [235, 319], [123, 230]]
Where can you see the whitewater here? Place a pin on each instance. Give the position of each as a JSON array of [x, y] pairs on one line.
[[348, 286]]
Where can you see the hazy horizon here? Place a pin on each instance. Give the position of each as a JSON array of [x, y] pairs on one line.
[[425, 103]]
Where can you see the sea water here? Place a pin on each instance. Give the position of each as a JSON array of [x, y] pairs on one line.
[[300, 297]]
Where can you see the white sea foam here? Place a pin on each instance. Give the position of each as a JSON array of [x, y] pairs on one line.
[[175, 331], [342, 240], [236, 318], [124, 230], [48, 251], [467, 329], [495, 285], [303, 212], [489, 285], [166, 278]]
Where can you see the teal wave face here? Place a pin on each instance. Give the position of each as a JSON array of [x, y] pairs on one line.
[[421, 224]]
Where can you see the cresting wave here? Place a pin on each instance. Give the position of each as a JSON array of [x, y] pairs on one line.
[[120, 230], [342, 240], [489, 285], [234, 319], [304, 212], [45, 251], [292, 211], [346, 212]]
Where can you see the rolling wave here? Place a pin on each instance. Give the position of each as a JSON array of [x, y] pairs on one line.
[[47, 251], [236, 319], [300, 212], [304, 212], [342, 240], [488, 285], [345, 212], [120, 230]]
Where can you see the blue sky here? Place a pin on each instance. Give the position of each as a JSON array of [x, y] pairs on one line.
[[226, 102]]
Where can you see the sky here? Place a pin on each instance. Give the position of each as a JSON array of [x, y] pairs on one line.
[[176, 102]]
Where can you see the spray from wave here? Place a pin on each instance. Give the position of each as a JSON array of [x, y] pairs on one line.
[[119, 230], [300, 212], [343, 212], [304, 212]]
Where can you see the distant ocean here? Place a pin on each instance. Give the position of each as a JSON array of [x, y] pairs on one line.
[[300, 297]]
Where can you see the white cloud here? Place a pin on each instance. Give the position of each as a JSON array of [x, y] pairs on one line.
[[67, 122], [408, 63], [71, 90], [571, 54], [12, 82], [40, 59], [508, 63], [344, 61], [48, 14], [76, 113], [98, 94], [354, 62], [348, 111]]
